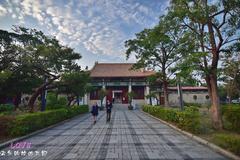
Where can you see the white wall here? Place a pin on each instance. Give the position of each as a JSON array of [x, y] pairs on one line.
[[188, 98]]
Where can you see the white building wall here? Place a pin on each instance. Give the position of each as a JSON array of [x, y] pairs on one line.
[[188, 98]]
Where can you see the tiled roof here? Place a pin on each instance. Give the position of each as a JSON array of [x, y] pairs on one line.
[[189, 88], [117, 70]]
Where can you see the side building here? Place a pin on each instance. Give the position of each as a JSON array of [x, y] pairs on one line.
[[192, 95]]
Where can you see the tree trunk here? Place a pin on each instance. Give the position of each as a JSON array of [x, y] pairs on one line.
[[165, 92], [215, 108], [78, 101], [34, 97], [38, 91], [207, 79], [150, 99], [70, 99], [17, 101]]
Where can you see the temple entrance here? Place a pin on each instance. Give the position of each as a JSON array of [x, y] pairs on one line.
[[117, 96]]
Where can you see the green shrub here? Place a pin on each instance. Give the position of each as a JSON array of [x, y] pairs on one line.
[[228, 141], [6, 107], [231, 114], [192, 104], [62, 101], [189, 119], [4, 124], [27, 123], [53, 102]]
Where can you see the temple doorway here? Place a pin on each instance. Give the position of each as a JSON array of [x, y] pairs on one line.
[[117, 96]]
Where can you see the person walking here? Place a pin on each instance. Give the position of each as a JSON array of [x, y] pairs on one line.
[[94, 112], [108, 110]]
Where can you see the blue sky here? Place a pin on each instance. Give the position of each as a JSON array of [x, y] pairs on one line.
[[97, 29]]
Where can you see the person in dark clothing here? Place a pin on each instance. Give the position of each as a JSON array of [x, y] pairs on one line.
[[108, 110], [113, 100], [94, 112]]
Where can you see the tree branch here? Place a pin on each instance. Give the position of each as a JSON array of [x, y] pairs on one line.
[[186, 25], [224, 20], [216, 14], [219, 36], [229, 41]]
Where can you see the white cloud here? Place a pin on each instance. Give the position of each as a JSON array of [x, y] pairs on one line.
[[95, 24], [3, 11]]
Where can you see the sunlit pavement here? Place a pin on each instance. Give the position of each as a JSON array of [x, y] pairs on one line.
[[129, 135]]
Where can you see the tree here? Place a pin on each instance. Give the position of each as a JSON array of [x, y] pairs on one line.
[[231, 72], [102, 94], [158, 48], [213, 26], [150, 96], [44, 56], [75, 85]]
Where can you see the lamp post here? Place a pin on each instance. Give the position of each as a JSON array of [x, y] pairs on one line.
[[179, 88], [43, 98]]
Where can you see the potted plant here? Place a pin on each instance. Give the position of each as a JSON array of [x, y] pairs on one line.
[[130, 98]]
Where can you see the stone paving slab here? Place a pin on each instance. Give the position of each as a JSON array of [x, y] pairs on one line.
[[129, 135]]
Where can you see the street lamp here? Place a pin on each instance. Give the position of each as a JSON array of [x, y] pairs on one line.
[[44, 97], [179, 88]]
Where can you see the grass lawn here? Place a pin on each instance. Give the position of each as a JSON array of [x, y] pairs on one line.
[[226, 139], [197, 120]]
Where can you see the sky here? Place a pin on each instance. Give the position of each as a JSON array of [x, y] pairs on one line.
[[97, 29]]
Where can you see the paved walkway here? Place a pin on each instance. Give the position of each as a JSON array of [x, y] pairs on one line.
[[130, 135]]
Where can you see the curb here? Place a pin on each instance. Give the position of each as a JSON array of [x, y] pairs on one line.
[[198, 139], [7, 143]]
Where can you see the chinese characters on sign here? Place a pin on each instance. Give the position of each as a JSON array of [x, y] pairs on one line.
[[22, 153], [23, 150]]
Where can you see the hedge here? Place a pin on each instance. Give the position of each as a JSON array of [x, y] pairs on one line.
[[231, 113], [228, 141], [23, 124], [189, 119], [6, 107]]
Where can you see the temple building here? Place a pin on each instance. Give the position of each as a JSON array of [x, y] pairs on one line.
[[118, 80]]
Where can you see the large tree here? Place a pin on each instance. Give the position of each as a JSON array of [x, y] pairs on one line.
[[214, 25], [231, 72], [43, 56], [158, 48]]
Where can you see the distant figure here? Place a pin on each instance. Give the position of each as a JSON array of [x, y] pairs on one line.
[[113, 100], [94, 112], [108, 110]]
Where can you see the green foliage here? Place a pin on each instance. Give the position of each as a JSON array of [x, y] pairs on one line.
[[4, 123], [54, 102], [75, 110], [228, 141], [6, 107], [31, 57], [192, 104], [75, 83], [188, 119], [27, 123], [231, 114], [102, 93]]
